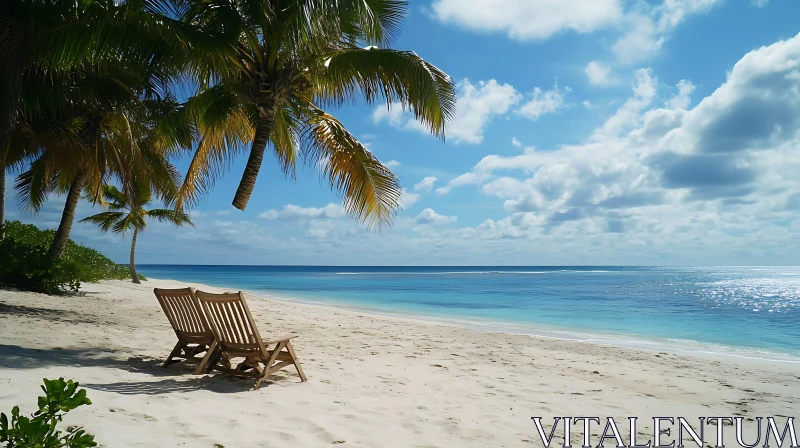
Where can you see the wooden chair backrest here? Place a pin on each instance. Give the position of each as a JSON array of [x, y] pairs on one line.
[[231, 322], [184, 314]]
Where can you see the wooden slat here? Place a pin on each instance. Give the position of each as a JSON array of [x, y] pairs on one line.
[[180, 313], [188, 322], [236, 332], [240, 315], [191, 318]]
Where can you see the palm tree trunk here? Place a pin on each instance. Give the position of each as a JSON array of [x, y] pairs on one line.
[[10, 85], [134, 275], [248, 182], [2, 197], [67, 217]]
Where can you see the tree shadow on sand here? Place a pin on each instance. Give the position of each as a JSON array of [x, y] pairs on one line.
[[46, 314], [16, 357], [171, 386]]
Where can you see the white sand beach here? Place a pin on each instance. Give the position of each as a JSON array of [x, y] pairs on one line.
[[373, 381]]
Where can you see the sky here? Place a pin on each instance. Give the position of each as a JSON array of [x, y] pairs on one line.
[[588, 132]]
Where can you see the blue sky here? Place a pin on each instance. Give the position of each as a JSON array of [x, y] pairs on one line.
[[591, 132]]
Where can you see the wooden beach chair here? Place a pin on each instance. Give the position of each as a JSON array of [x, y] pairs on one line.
[[236, 336], [187, 319]]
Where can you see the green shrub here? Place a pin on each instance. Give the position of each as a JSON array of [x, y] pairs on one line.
[[40, 430], [24, 250]]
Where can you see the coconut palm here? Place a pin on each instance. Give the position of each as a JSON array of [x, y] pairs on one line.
[[101, 130], [84, 66], [128, 213], [292, 58]]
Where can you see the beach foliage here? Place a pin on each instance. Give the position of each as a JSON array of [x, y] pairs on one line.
[[24, 265], [40, 430]]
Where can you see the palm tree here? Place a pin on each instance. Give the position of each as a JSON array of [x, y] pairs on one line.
[[84, 67], [291, 58], [80, 144], [128, 213]]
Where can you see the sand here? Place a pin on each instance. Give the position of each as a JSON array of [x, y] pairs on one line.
[[374, 381]]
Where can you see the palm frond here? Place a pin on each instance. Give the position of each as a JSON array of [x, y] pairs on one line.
[[370, 190], [35, 184], [396, 76], [105, 220], [375, 22], [286, 130], [171, 216], [129, 221], [225, 131], [114, 199]]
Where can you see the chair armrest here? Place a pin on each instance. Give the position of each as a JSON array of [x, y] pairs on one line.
[[280, 339]]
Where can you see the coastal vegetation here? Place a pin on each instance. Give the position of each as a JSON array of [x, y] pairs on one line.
[[106, 94], [25, 266]]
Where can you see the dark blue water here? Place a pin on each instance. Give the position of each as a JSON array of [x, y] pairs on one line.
[[749, 310]]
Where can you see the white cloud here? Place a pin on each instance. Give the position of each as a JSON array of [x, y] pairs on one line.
[[464, 179], [643, 27], [394, 114], [195, 214], [425, 185], [692, 177], [760, 3], [641, 41], [407, 199], [529, 19], [430, 217], [292, 212], [588, 104], [683, 98], [319, 234], [542, 103], [627, 116], [648, 26], [392, 164], [477, 104], [391, 113], [516, 142], [599, 74]]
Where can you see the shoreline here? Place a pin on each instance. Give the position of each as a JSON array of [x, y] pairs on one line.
[[542, 331]]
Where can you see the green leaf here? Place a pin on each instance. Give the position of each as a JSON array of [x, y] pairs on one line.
[[80, 439], [41, 431]]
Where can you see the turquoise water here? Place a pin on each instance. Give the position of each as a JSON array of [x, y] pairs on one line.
[[747, 311]]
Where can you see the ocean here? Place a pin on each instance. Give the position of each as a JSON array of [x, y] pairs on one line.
[[749, 312]]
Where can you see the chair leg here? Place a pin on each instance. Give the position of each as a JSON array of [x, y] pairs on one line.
[[175, 352], [268, 364], [206, 358], [296, 361], [215, 359]]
